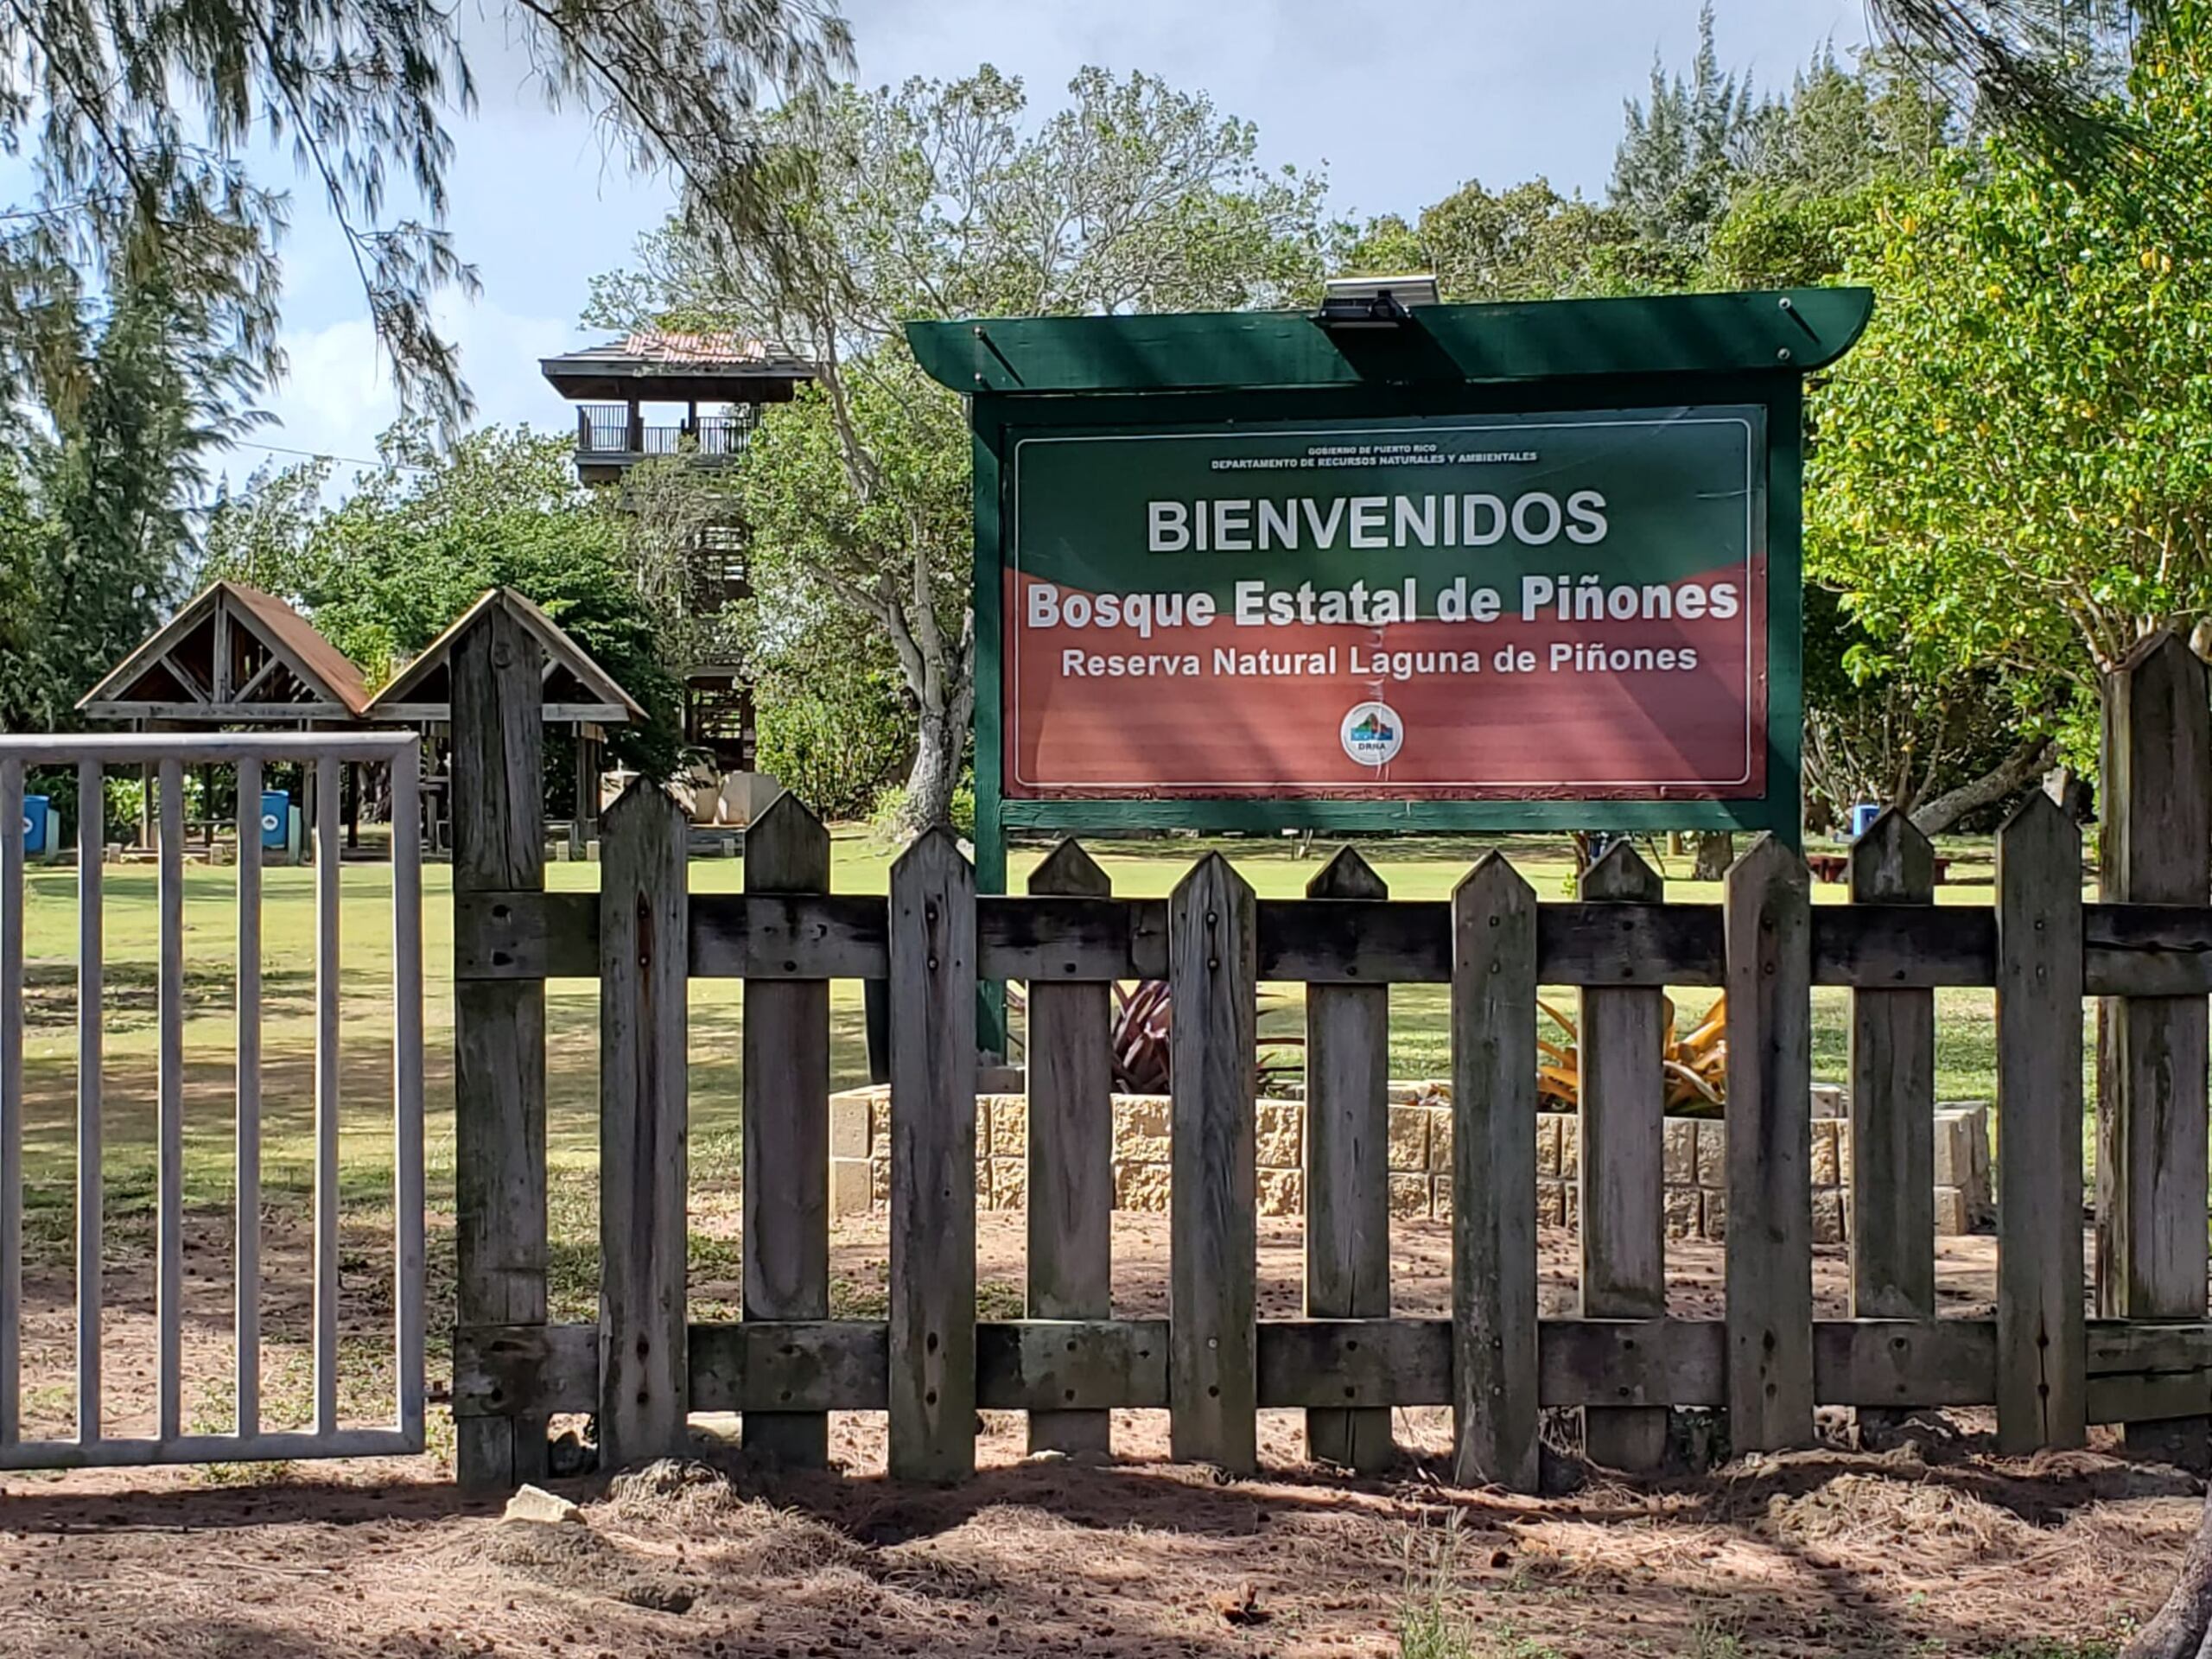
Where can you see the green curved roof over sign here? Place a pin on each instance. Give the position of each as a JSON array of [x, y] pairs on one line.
[[1793, 330]]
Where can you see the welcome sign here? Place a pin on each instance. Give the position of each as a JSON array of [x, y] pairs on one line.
[[1568, 605]]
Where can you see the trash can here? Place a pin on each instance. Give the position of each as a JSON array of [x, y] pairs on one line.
[[276, 818], [1863, 816], [38, 825]]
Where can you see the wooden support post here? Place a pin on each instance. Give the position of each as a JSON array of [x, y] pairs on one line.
[[1767, 924], [499, 1197], [2152, 1050], [1213, 1343], [932, 1333], [1892, 1223], [1494, 1178], [1347, 1169], [645, 1374], [787, 1130], [1624, 1105], [2042, 1355], [1071, 1144]]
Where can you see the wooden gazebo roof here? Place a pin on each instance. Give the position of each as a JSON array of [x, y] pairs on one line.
[[233, 655], [577, 689]]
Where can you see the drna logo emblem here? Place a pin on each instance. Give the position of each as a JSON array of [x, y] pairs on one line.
[[1372, 734]]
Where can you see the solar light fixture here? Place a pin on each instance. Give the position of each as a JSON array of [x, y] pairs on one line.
[[1373, 302]]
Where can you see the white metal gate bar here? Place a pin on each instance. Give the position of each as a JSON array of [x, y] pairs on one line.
[[170, 754]]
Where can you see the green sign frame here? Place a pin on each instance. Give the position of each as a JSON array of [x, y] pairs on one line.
[[1035, 377]]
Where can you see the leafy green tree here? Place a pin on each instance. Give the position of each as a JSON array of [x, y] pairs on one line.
[[1526, 243], [111, 448], [945, 198], [1684, 144], [418, 539], [2012, 465], [138, 116]]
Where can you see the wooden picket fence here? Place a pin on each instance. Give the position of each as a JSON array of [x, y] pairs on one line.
[[2049, 1370]]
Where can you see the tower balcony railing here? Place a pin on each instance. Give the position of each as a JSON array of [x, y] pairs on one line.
[[612, 432]]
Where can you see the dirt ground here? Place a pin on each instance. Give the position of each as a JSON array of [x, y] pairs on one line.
[[1931, 1547]]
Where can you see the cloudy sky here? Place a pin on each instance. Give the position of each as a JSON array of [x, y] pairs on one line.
[[1398, 103]]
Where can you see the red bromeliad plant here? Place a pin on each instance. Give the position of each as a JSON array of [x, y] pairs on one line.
[[1139, 1040]]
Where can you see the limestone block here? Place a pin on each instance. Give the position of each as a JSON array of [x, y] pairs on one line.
[[1830, 1100], [1827, 1217], [1409, 1197], [1140, 1129], [1682, 1207], [1678, 1154], [1009, 1183], [1440, 1141], [1282, 1192], [1953, 1150], [1440, 1197], [537, 1504], [851, 1187], [1009, 1119], [1574, 1192], [1825, 1171], [1953, 1217], [1570, 1147], [1280, 1128], [1140, 1187], [1714, 1200], [1547, 1144], [1712, 1153], [879, 1180], [1409, 1138], [1551, 1202], [848, 1127]]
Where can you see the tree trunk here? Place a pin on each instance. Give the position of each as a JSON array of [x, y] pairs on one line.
[[2178, 1632], [936, 773], [1716, 851], [2018, 769]]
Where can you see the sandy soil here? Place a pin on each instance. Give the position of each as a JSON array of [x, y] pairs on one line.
[[1931, 1547]]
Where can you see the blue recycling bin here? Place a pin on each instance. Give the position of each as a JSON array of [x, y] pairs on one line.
[[276, 818], [38, 825], [1863, 816]]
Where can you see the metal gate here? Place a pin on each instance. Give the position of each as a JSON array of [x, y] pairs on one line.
[[169, 754]]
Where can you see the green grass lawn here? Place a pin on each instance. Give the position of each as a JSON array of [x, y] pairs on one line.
[[1419, 1040]]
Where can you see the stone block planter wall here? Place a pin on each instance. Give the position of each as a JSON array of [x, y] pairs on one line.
[[1695, 1160]]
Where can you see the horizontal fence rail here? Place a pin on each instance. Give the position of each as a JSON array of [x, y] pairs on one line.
[[2126, 949], [2043, 1362], [169, 754]]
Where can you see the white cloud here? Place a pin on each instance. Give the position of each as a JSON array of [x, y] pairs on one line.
[[338, 395]]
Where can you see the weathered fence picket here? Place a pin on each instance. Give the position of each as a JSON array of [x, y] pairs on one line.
[[645, 1376], [1069, 1132], [786, 1131], [1768, 902], [1622, 1222], [932, 1324], [2040, 1366], [1494, 1362], [2151, 1117], [1213, 990], [499, 1196], [1347, 1169]]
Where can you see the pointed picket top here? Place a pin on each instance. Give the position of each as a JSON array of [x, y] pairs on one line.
[[1347, 875], [1892, 860], [1766, 861], [1493, 884], [786, 846], [2161, 650], [1213, 873], [641, 800], [1068, 869], [1622, 873], [936, 848], [2040, 829]]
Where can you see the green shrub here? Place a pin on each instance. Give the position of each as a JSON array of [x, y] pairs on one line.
[[836, 749]]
